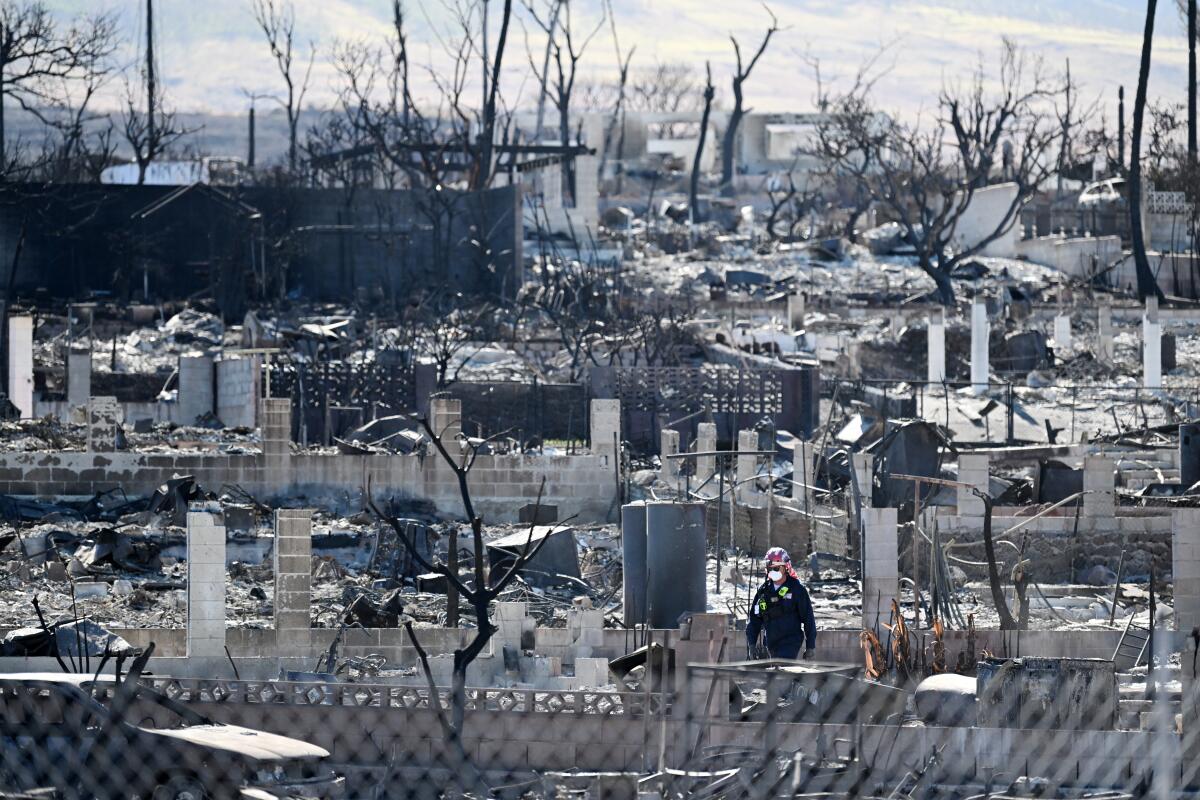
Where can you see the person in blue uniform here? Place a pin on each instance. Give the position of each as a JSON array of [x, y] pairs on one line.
[[782, 612]]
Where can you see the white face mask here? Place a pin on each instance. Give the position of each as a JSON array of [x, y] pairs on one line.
[[775, 575]]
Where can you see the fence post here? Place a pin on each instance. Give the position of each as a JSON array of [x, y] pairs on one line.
[[1011, 420]]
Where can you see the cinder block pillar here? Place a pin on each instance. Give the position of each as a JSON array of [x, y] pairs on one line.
[[747, 467], [670, 466], [206, 582], [424, 385], [1185, 570], [20, 364], [195, 388], [937, 347], [239, 384], [293, 580], [706, 442], [586, 627], [1062, 330], [1104, 333], [587, 189], [79, 377], [972, 470], [803, 467], [795, 311], [863, 465], [1100, 483], [1151, 346], [103, 419], [853, 364], [881, 568], [605, 427], [277, 427], [980, 371], [445, 417]]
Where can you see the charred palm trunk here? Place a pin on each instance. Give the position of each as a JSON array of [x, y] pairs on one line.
[[1147, 286]]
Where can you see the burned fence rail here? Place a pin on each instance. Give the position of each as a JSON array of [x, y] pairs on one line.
[[331, 397], [735, 397]]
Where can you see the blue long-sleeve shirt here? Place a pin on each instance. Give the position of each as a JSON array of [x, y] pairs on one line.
[[785, 615]]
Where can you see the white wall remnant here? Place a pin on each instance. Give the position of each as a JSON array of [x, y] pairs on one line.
[[1151, 346], [980, 371], [937, 346], [20, 364], [985, 212]]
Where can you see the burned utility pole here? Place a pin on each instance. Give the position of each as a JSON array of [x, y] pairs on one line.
[[1121, 128], [1191, 25], [250, 153], [1064, 152], [150, 70]]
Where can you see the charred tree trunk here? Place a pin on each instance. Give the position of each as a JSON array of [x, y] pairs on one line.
[[1191, 23], [694, 188], [740, 76], [730, 139], [1007, 623], [1147, 286]]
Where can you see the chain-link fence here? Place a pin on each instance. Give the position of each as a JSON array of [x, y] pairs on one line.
[[921, 713]]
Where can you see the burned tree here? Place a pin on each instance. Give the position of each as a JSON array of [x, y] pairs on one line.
[[79, 147], [618, 110], [277, 20], [926, 176], [441, 152], [566, 49], [441, 329], [35, 51], [1147, 286], [479, 592], [694, 183], [740, 76], [789, 204], [848, 143]]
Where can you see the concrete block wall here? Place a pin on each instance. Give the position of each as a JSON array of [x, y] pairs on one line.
[[605, 428], [79, 378], [195, 388], [103, 420], [577, 484], [206, 582], [293, 580], [839, 646], [277, 428], [789, 528], [238, 391]]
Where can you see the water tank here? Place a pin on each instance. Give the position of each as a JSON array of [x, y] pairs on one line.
[[633, 557], [1189, 455], [675, 559]]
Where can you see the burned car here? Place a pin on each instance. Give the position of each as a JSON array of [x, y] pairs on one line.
[[95, 737]]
